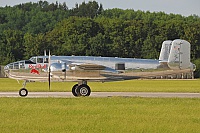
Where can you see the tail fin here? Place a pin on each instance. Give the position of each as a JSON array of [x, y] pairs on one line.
[[164, 54], [179, 57], [165, 50]]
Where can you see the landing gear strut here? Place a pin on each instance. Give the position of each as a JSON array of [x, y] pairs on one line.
[[81, 89], [23, 92]]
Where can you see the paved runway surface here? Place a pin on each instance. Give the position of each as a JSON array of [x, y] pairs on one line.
[[105, 94]]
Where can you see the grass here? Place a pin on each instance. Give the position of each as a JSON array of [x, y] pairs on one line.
[[114, 114], [125, 86], [111, 114]]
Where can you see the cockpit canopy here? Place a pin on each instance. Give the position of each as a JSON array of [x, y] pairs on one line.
[[39, 59]]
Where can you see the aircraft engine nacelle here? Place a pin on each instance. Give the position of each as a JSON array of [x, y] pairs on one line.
[[59, 67], [179, 57]]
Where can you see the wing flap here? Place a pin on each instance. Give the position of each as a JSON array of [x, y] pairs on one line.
[[86, 66]]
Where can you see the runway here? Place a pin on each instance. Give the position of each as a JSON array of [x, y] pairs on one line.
[[104, 94]]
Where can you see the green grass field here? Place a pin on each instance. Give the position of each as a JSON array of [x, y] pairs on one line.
[[105, 115], [125, 86]]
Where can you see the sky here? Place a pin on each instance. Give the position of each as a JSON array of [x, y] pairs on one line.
[[183, 7]]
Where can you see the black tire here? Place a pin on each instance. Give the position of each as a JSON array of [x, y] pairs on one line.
[[74, 90], [23, 92], [83, 90]]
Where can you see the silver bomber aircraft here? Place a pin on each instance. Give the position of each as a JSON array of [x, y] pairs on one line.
[[174, 62]]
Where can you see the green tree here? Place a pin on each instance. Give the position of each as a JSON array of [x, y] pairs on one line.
[[192, 34], [91, 9], [197, 72], [11, 46], [34, 44]]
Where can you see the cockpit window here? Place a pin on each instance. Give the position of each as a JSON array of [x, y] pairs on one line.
[[39, 60], [21, 64], [10, 66], [29, 62], [16, 65], [33, 59], [46, 60]]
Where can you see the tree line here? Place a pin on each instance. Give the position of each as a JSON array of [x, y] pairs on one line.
[[87, 29]]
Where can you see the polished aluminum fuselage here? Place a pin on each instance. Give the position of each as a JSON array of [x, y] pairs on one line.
[[76, 68]]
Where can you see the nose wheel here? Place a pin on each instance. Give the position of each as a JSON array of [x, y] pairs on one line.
[[23, 92], [81, 90]]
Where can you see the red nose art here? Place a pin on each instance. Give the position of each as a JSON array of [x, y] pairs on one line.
[[34, 71]]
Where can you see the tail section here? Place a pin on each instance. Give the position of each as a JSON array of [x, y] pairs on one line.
[[175, 55]]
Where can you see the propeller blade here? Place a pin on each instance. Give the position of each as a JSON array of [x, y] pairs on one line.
[[49, 71], [49, 80]]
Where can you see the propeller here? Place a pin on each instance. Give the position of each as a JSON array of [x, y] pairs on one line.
[[49, 71]]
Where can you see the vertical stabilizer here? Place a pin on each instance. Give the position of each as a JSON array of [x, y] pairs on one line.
[[165, 50], [164, 54], [179, 57]]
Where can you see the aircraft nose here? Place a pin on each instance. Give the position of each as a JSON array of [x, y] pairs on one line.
[[15, 65], [6, 67], [9, 66], [6, 70]]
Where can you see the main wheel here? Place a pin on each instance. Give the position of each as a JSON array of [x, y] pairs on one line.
[[74, 90], [83, 90], [23, 92]]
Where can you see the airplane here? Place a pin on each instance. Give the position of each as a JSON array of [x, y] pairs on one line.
[[174, 62]]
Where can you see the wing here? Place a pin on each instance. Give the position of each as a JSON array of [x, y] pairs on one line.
[[82, 66], [79, 71], [90, 67]]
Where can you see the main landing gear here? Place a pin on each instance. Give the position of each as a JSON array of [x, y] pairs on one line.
[[81, 89]]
